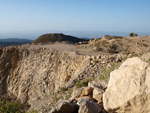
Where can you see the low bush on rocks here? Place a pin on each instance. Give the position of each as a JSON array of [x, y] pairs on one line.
[[96, 61], [13, 107], [63, 89], [84, 83], [113, 48], [107, 70]]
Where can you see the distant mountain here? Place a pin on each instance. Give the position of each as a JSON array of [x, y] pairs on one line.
[[14, 41], [57, 37]]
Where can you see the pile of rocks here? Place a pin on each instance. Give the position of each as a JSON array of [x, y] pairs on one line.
[[83, 100], [127, 92]]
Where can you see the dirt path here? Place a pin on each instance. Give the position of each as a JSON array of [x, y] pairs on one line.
[[69, 47]]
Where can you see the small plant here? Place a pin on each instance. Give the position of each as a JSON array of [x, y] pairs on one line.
[[145, 45], [69, 95], [55, 98], [46, 95], [96, 61], [82, 83], [104, 43], [106, 72], [99, 48], [113, 48], [131, 34], [78, 85], [63, 89], [7, 107], [147, 60]]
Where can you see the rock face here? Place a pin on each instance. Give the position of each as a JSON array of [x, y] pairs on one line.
[[30, 74], [33, 74], [129, 88]]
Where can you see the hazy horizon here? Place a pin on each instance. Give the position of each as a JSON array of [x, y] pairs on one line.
[[80, 34]]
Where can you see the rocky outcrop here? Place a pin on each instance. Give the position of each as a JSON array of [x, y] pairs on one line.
[[129, 88], [107, 37], [30, 74], [84, 101]]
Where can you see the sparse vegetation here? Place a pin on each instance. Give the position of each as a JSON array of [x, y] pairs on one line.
[[80, 83], [64, 93], [69, 93], [145, 45], [96, 61], [13, 107], [131, 34], [6, 107], [63, 89], [106, 71], [113, 48], [104, 43], [148, 60]]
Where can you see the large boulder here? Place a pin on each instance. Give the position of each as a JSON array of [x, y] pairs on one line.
[[129, 88]]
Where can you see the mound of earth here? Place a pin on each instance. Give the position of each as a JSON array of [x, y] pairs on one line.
[[57, 37], [124, 45]]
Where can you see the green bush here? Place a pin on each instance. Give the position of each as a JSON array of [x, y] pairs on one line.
[[131, 34], [6, 107], [13, 107], [96, 61]]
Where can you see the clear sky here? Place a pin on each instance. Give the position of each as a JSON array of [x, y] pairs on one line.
[[31, 18]]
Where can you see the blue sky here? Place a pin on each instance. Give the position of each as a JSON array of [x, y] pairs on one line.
[[82, 18]]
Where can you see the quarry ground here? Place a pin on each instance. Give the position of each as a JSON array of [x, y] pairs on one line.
[[69, 47]]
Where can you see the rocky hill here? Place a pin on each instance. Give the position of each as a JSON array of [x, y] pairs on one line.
[[50, 80], [57, 37]]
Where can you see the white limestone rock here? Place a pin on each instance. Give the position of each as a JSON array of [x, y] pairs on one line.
[[129, 88]]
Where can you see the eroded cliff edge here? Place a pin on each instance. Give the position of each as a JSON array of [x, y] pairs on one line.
[[30, 74]]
